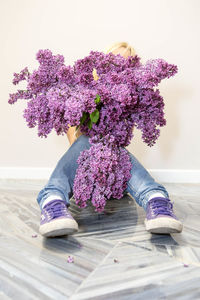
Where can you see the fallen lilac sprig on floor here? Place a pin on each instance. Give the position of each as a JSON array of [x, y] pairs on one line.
[[34, 235], [70, 259], [185, 265], [105, 96]]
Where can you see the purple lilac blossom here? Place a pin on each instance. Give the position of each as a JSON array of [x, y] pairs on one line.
[[60, 96], [103, 171]]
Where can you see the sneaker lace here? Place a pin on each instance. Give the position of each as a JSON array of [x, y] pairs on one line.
[[161, 206], [57, 210]]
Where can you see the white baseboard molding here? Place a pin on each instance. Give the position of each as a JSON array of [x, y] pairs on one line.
[[175, 175], [160, 175], [25, 173]]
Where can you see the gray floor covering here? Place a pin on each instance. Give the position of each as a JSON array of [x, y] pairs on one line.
[[114, 256]]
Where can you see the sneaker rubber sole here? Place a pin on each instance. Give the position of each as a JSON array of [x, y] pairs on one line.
[[163, 225], [58, 227]]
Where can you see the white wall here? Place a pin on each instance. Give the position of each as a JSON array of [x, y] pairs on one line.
[[166, 29]]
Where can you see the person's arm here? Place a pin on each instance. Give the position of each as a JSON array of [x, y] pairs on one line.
[[72, 137], [71, 134]]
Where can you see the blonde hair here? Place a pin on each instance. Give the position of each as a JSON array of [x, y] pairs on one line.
[[118, 45]]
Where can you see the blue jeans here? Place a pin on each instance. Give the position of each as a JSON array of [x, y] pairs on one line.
[[140, 186]]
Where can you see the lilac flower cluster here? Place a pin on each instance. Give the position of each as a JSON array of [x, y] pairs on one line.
[[103, 171], [105, 95]]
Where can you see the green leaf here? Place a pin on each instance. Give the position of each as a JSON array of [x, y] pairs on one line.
[[84, 117], [90, 124], [97, 99], [94, 116]]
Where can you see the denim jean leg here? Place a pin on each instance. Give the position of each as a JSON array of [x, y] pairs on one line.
[[62, 179], [142, 185]]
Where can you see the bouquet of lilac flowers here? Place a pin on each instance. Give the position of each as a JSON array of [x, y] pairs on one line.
[[105, 95]]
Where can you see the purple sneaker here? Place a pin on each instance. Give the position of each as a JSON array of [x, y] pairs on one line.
[[56, 220], [160, 217]]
